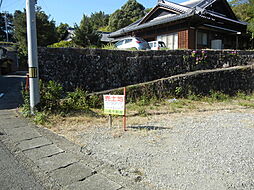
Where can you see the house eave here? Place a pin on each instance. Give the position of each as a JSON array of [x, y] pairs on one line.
[[222, 28]]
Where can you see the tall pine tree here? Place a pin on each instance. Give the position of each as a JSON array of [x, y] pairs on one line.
[[85, 35]]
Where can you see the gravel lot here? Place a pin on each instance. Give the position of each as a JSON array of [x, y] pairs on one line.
[[207, 150]]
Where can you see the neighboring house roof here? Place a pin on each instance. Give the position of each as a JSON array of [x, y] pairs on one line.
[[105, 36], [150, 24], [176, 12], [70, 34]]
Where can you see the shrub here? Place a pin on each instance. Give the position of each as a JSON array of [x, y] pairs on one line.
[[40, 118], [51, 94], [64, 44], [109, 46], [76, 101], [94, 101]]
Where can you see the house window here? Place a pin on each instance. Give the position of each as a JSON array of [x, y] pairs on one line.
[[202, 38], [171, 40]]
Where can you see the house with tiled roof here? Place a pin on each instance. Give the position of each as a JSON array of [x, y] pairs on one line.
[[193, 24]]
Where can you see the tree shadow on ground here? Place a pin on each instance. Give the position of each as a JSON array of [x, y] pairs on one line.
[[10, 88], [149, 128]]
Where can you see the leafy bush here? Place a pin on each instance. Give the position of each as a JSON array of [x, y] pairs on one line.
[[94, 101], [55, 100], [64, 44], [40, 118], [51, 94], [76, 101], [109, 46]]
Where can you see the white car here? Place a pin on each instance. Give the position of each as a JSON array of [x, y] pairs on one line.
[[132, 42], [157, 45]]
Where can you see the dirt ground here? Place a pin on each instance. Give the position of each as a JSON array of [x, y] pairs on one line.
[[180, 145]]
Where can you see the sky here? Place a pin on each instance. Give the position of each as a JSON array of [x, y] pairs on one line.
[[71, 11]]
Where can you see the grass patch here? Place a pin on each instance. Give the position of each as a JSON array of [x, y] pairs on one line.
[[215, 100], [73, 108], [247, 104]]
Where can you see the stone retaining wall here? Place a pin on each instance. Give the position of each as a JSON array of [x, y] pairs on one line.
[[226, 80], [97, 70]]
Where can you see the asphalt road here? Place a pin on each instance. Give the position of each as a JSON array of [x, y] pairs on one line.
[[10, 91], [12, 173]]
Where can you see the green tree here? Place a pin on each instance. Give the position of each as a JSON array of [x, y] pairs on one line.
[[99, 20], [20, 31], [46, 30], [130, 12], [85, 35], [62, 31], [147, 10], [244, 10]]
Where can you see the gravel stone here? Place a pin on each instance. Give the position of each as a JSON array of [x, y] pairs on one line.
[[210, 150]]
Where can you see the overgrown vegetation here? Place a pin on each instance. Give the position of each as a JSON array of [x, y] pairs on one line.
[[244, 10], [63, 44], [109, 46], [55, 101], [146, 106]]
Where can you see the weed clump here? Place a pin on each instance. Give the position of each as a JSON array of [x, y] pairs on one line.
[[51, 94], [109, 46], [54, 100]]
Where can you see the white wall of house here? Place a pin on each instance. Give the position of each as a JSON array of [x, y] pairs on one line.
[[171, 40]]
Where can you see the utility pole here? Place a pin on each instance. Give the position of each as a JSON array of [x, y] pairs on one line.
[[32, 54], [6, 27]]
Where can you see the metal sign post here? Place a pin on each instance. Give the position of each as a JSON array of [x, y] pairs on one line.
[[124, 116], [32, 54], [110, 121]]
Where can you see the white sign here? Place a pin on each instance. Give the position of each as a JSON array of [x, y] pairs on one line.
[[114, 104]]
